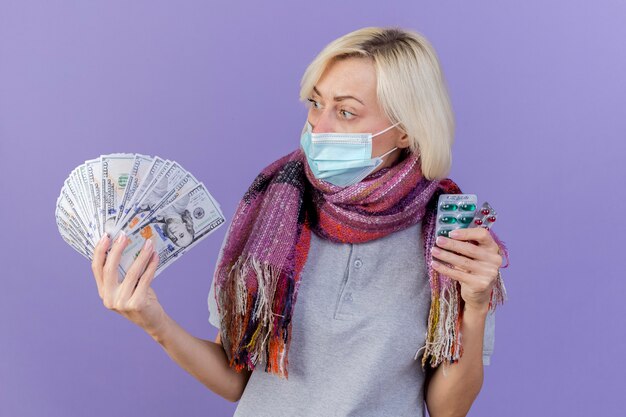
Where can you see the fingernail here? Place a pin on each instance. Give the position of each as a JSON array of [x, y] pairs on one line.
[[104, 237], [441, 240], [454, 233], [121, 237], [148, 244]]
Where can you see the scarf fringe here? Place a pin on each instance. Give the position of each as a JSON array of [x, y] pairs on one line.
[[498, 293], [259, 324], [443, 341]]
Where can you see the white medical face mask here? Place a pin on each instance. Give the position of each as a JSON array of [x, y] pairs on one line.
[[342, 159]]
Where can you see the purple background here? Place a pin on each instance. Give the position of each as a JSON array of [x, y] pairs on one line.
[[539, 95]]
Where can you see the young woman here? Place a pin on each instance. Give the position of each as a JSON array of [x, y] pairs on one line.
[[327, 293]]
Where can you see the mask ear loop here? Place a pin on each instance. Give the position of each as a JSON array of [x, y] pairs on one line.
[[383, 131], [361, 176], [387, 153], [386, 129]]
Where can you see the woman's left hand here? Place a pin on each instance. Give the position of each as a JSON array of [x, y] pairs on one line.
[[475, 266]]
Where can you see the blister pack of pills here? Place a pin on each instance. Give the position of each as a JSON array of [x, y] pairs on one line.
[[459, 211], [484, 217]]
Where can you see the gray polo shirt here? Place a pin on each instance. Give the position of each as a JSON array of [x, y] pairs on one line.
[[360, 316]]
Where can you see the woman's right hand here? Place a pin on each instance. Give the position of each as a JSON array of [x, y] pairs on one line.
[[133, 298]]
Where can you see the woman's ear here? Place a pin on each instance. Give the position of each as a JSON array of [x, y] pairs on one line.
[[403, 142]]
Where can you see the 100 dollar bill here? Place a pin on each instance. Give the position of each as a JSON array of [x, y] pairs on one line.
[[175, 228]]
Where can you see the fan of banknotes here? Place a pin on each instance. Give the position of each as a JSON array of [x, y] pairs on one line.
[[146, 197]]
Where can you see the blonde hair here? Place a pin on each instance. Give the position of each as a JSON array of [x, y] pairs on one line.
[[411, 88]]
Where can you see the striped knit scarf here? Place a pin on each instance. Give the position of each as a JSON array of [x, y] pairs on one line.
[[266, 247]]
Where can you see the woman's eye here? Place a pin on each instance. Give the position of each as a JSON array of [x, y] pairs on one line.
[[313, 103], [345, 112]]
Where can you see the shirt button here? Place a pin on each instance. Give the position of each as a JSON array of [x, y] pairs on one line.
[[348, 297], [358, 263]]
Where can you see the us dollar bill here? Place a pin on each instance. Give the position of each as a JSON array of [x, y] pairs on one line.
[[94, 178], [70, 232], [154, 172], [138, 172], [87, 192], [160, 199], [175, 228], [71, 208], [115, 172], [158, 191]]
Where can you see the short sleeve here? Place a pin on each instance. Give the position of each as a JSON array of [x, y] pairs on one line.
[[489, 337], [214, 317]]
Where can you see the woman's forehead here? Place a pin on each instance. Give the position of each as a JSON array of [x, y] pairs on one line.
[[349, 77]]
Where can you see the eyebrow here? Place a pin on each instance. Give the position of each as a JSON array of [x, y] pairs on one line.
[[338, 98]]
